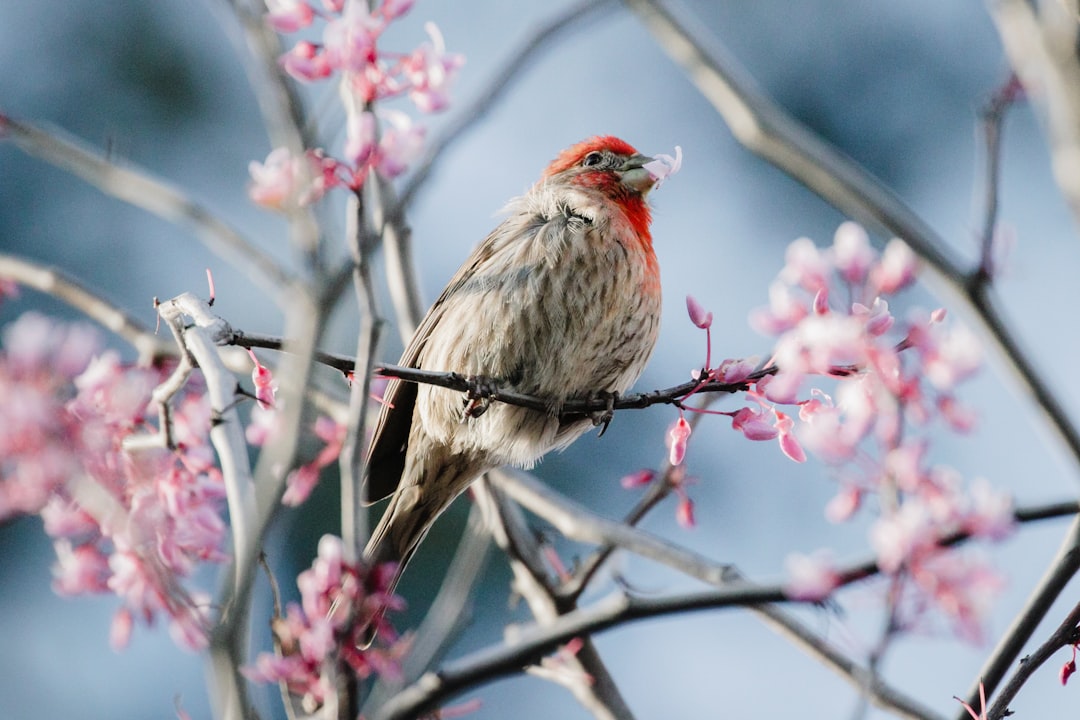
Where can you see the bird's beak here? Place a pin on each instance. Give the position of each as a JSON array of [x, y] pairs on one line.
[[633, 174]]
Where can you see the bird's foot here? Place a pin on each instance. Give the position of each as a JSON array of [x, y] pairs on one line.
[[478, 396], [602, 418]]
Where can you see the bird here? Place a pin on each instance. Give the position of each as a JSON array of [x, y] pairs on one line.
[[561, 301]]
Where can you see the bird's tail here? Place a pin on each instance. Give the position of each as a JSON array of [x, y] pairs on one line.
[[418, 501]]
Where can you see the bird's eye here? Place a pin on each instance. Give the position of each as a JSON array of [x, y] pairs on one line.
[[593, 158]]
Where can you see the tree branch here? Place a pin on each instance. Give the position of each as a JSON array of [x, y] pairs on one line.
[[140, 188], [60, 285], [767, 130]]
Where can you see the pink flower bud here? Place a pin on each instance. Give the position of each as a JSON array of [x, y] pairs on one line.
[[753, 424], [789, 444], [897, 269], [264, 383], [637, 479], [677, 437], [1067, 670], [698, 315], [684, 513], [810, 577], [821, 301]]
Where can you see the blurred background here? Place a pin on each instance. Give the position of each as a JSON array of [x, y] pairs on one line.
[[897, 86]]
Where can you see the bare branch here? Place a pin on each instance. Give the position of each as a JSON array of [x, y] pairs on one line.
[[1042, 49], [1065, 635], [200, 340], [583, 673], [140, 188], [281, 108], [578, 523], [1062, 569], [60, 285], [618, 609], [353, 515]]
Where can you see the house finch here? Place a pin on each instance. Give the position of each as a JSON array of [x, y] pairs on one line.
[[561, 301]]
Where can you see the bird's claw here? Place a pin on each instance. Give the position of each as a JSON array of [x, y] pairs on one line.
[[478, 396], [602, 418]]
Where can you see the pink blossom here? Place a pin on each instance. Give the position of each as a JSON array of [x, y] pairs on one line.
[[360, 142], [637, 479], [897, 268], [349, 40], [430, 71], [789, 444], [120, 631], [393, 9], [698, 315], [1068, 668], [754, 424], [877, 317], [684, 512], [677, 437], [851, 253], [960, 587], [664, 166], [990, 513], [299, 484], [806, 266], [1067, 671], [810, 577], [285, 183], [958, 355], [736, 371], [821, 301], [339, 603], [306, 62], [899, 537], [263, 380], [82, 569], [135, 524], [401, 144], [303, 480], [844, 504], [288, 16], [262, 426], [960, 417], [783, 387], [784, 312]]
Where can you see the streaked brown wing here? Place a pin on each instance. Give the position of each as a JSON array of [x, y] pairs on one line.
[[390, 441]]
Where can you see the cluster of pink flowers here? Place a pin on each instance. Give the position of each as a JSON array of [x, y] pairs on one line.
[[349, 48], [341, 604], [134, 523], [890, 381]]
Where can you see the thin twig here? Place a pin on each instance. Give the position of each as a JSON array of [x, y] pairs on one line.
[[60, 285], [1062, 569], [282, 110], [138, 187], [353, 515], [993, 120], [1065, 635], [1042, 49]]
